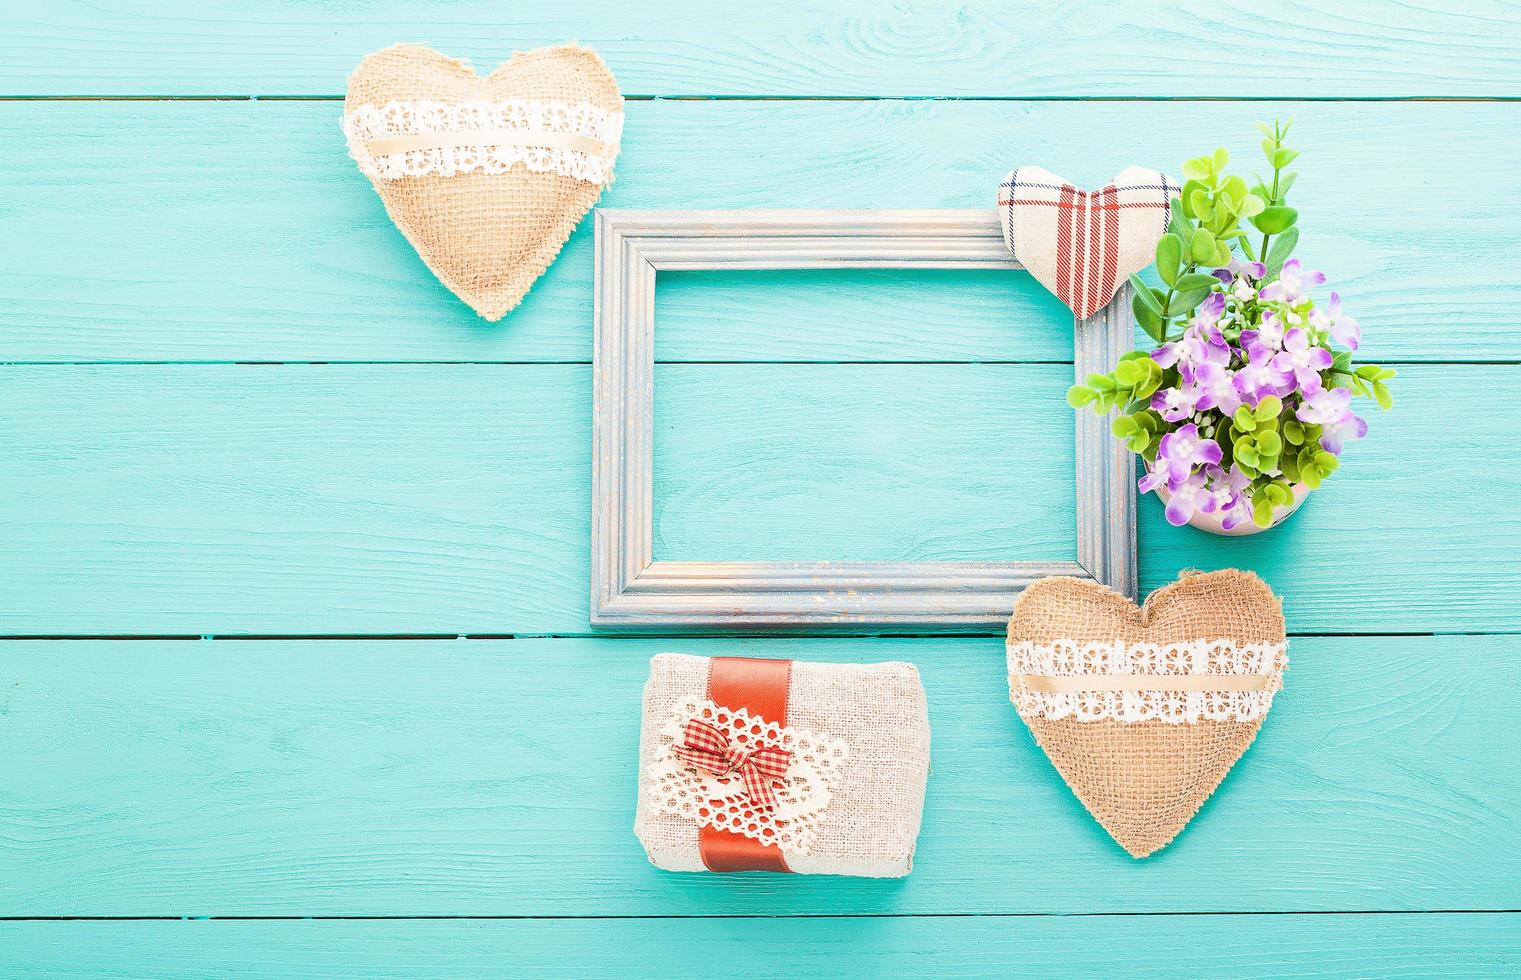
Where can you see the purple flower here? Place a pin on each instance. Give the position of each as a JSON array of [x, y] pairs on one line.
[[1341, 327], [1328, 406], [1302, 359], [1291, 283], [1198, 346], [1269, 333], [1237, 268], [1261, 376], [1209, 311], [1335, 435], [1230, 497], [1187, 497], [1217, 389], [1176, 404], [1179, 452]]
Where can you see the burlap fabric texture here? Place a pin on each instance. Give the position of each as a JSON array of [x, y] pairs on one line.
[[489, 235], [871, 821], [1144, 780]]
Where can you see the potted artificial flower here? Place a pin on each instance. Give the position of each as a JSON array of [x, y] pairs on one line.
[[1243, 405]]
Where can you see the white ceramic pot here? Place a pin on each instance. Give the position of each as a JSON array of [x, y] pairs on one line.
[[1211, 522]]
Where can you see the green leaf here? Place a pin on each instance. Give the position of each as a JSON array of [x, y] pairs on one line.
[[1143, 293], [1269, 408], [1269, 147], [1186, 302], [1223, 254], [1279, 251], [1309, 476], [1382, 396], [1269, 443], [1293, 432], [1275, 220], [1199, 205], [1262, 512], [1148, 387], [1178, 224], [1222, 159], [1285, 181], [1196, 280], [1139, 442], [1080, 396], [1342, 361], [1246, 452], [1252, 206], [1196, 169], [1203, 246], [1282, 157], [1326, 462], [1123, 426], [1169, 258], [1129, 373], [1243, 420], [1100, 383], [1150, 320]]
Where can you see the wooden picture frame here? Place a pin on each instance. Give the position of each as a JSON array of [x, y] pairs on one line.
[[631, 589]]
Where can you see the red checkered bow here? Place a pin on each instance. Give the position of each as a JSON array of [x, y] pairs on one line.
[[709, 749]]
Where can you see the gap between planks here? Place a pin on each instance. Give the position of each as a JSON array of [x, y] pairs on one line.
[[646, 97], [622, 635], [740, 915]]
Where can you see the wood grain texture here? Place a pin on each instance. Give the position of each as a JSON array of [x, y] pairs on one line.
[[498, 778], [241, 231], [737, 481], [853, 48], [1466, 945], [302, 499]]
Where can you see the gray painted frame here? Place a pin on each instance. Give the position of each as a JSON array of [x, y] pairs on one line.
[[630, 589]]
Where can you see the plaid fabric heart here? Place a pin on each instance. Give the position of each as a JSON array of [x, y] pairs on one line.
[[1082, 244]]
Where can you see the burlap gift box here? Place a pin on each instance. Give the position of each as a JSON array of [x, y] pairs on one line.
[[486, 177], [1144, 710], [853, 793]]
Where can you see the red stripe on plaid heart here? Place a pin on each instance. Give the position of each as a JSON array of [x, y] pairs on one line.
[[1082, 244]]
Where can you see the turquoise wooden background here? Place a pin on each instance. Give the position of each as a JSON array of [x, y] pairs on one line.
[[297, 675]]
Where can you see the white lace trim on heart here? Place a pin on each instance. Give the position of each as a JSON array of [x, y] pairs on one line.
[[1204, 657], [575, 123], [720, 801]]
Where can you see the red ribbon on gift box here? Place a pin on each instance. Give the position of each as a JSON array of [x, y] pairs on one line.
[[760, 688]]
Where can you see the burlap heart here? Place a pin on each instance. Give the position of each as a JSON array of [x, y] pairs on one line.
[[486, 177], [1082, 244], [1144, 710]]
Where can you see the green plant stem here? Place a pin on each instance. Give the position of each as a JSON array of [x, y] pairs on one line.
[[1167, 320], [1277, 145]]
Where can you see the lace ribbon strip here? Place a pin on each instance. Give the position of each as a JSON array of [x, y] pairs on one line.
[[721, 801], [1177, 683], [425, 137]]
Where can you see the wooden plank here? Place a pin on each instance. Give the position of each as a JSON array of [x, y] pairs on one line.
[[241, 231], [463, 777], [401, 499], [1464, 945], [786, 47]]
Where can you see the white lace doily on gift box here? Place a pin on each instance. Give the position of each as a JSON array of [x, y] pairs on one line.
[[720, 801]]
